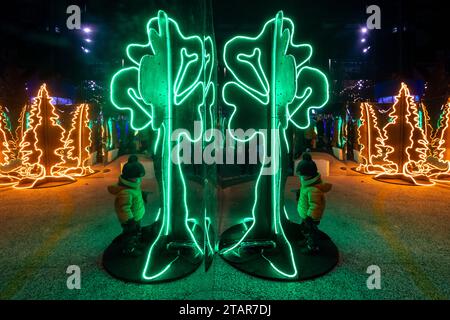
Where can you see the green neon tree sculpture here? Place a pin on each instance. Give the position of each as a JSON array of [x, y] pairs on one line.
[[168, 88], [271, 88]]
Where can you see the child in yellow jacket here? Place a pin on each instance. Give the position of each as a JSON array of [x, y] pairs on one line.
[[129, 204], [311, 202]]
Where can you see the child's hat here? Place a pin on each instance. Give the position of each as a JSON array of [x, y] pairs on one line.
[[133, 168], [307, 167]]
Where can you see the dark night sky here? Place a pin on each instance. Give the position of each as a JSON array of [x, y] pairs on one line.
[[330, 26]]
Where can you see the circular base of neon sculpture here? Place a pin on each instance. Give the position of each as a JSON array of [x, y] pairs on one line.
[[43, 183], [256, 261], [6, 181], [130, 269], [403, 179], [442, 177], [367, 170]]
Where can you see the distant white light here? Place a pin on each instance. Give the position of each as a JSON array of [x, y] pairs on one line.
[[88, 40], [364, 30], [365, 50], [86, 51], [87, 30], [363, 40]]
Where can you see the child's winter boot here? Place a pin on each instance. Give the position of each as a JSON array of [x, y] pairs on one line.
[[311, 233], [130, 242]]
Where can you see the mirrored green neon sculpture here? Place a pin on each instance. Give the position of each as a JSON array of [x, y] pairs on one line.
[[168, 87], [271, 88]]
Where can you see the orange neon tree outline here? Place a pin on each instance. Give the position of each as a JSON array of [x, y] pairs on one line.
[[5, 152], [441, 140], [441, 144], [31, 152], [414, 168], [369, 123], [78, 144]]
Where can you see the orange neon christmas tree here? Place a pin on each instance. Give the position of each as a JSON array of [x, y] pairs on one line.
[[78, 144], [13, 140], [104, 137], [406, 143], [441, 140], [20, 129], [8, 163], [370, 140], [42, 145], [441, 145], [427, 127], [426, 123], [5, 152]]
